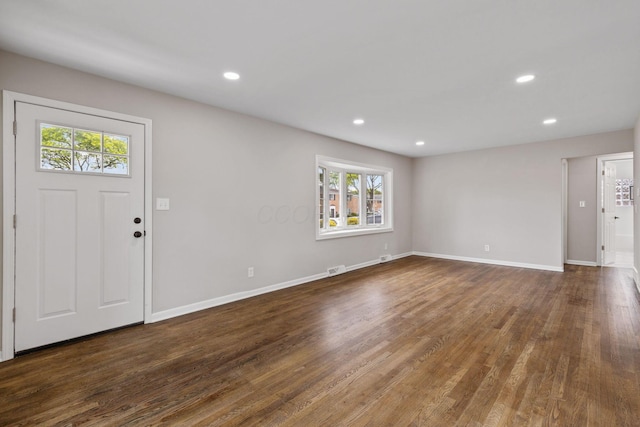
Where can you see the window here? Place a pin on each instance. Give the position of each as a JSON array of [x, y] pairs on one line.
[[68, 149], [356, 198], [624, 192]]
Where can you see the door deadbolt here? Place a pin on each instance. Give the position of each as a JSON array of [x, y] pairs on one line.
[[137, 220]]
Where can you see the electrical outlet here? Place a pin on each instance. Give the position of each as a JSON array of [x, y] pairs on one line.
[[250, 272], [486, 248]]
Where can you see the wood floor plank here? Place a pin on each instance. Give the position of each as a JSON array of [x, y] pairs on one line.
[[414, 342]]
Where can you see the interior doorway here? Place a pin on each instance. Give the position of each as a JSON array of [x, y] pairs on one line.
[[584, 232], [621, 199], [617, 215]]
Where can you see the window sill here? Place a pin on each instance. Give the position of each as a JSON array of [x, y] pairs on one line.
[[350, 233]]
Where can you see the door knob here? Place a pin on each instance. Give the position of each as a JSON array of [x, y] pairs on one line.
[[137, 234], [137, 220]]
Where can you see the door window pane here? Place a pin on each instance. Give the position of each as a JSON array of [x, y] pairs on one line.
[[55, 136], [115, 165], [115, 144], [64, 148], [87, 140], [55, 159], [86, 162]]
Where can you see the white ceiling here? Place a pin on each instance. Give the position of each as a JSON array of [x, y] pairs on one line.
[[441, 71]]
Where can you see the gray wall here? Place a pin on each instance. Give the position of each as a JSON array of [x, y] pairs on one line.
[[582, 223], [509, 198], [219, 169]]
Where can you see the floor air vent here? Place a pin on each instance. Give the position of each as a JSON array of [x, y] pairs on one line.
[[386, 258], [338, 269]]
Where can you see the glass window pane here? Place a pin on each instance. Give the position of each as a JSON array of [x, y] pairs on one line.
[[55, 136], [321, 174], [334, 198], [86, 162], [55, 158], [353, 199], [116, 144], [116, 165], [88, 141], [374, 199]]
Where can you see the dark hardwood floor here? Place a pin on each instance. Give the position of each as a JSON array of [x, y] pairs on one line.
[[414, 342]]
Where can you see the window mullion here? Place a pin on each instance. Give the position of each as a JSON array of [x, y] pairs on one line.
[[363, 200]]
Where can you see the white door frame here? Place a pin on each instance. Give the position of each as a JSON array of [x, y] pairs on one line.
[[600, 227], [565, 208], [9, 197]]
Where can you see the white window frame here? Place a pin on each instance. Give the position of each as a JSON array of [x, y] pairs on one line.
[[343, 230]]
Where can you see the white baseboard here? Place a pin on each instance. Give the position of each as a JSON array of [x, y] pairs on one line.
[[584, 263], [214, 302], [203, 305], [635, 278], [492, 262], [404, 255], [363, 265]]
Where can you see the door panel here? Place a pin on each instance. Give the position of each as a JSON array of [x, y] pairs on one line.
[[609, 203], [57, 257], [79, 269], [115, 234]]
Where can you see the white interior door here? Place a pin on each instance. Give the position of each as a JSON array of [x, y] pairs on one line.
[[609, 213], [79, 269]]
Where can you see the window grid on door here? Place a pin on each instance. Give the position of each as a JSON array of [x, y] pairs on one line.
[[84, 151]]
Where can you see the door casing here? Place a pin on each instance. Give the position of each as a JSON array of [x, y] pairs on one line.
[[8, 210]]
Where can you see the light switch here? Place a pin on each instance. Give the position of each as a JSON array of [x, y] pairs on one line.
[[162, 204], [582, 203]]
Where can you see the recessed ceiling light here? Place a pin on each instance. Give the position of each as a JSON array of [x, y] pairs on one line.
[[358, 122], [549, 121], [419, 142], [230, 75], [526, 78]]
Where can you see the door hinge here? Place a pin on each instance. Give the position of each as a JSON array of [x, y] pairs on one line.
[[603, 247], [603, 172], [14, 315], [15, 128], [602, 210], [15, 220]]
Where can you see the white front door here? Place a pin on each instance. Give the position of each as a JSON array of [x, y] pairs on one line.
[[79, 268], [609, 213]]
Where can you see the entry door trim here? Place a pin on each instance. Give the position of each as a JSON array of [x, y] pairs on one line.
[[9, 197]]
